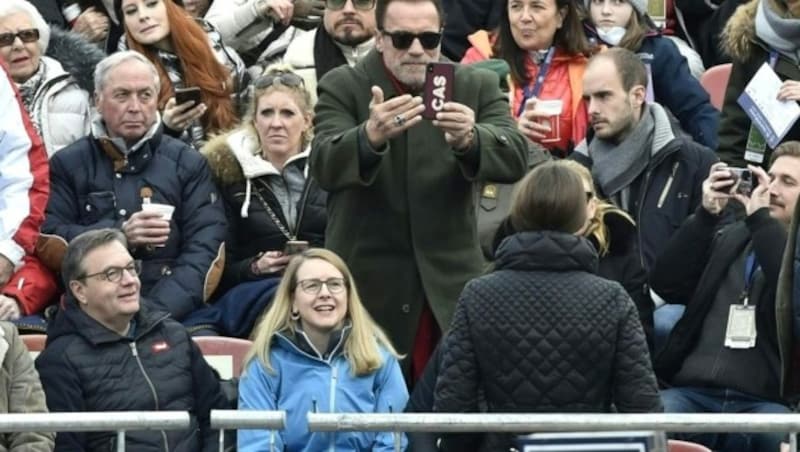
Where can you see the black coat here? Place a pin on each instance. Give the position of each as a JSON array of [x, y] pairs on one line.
[[87, 367], [258, 231], [621, 264], [694, 264], [542, 333]]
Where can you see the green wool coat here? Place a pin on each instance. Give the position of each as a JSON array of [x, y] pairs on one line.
[[406, 226]]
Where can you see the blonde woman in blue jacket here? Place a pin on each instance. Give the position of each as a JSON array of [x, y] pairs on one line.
[[318, 350]]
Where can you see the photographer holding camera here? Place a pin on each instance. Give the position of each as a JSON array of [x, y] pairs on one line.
[[727, 278]]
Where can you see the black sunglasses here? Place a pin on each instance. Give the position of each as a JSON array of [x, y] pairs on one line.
[[402, 40], [279, 78], [361, 5], [27, 36]]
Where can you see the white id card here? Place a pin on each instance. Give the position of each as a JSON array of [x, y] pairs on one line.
[[741, 330]]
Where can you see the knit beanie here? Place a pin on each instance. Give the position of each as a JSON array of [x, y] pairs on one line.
[[639, 5]]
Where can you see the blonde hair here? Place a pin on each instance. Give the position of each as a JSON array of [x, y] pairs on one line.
[[300, 94], [361, 348], [597, 226]]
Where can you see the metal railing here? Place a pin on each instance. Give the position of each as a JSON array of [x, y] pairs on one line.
[[119, 421], [555, 422], [247, 419]]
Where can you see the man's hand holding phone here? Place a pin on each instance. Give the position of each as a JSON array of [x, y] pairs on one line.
[[457, 121], [389, 118], [759, 197]]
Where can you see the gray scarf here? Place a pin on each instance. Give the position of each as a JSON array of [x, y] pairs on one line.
[[781, 34], [616, 166], [28, 89]]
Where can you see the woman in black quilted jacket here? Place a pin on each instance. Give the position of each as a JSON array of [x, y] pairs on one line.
[[542, 332]]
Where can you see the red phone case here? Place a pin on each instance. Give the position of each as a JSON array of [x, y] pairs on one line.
[[439, 78]]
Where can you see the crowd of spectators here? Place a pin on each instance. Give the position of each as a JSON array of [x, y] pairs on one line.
[[301, 173]]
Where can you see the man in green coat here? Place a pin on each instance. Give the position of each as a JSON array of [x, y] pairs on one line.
[[401, 209]]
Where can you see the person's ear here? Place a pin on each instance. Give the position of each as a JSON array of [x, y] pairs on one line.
[[379, 37], [78, 291], [561, 16], [638, 95]]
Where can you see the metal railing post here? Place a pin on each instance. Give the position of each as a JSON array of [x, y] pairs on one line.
[[793, 442], [398, 441], [222, 440], [120, 440]]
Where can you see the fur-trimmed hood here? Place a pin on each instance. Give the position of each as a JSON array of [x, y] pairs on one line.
[[234, 157], [739, 35], [77, 56]]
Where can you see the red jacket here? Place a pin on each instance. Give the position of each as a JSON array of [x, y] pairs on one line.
[[25, 183]]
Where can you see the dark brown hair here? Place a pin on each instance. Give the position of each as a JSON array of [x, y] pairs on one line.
[[549, 198], [785, 149], [569, 38], [382, 5], [637, 29], [630, 69]]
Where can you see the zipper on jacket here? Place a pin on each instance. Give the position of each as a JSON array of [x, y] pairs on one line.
[[303, 199], [332, 404], [668, 185], [152, 388]]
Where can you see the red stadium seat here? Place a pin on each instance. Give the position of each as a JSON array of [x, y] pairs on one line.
[[226, 354], [715, 82], [685, 446], [34, 342]]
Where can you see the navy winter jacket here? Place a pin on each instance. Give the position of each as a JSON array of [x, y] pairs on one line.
[[94, 186], [87, 367]]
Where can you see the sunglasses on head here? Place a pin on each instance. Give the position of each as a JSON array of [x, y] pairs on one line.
[[27, 36], [361, 5], [279, 78], [402, 40]]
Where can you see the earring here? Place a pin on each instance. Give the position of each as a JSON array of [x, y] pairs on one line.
[[295, 315]]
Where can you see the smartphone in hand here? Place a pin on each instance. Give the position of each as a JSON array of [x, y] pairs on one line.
[[295, 247], [742, 181], [183, 95], [439, 80]]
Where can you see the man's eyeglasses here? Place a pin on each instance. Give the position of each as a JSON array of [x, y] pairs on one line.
[[279, 78], [402, 40], [313, 286], [361, 5], [28, 35], [114, 274]]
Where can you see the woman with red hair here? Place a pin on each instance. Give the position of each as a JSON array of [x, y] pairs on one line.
[[193, 56]]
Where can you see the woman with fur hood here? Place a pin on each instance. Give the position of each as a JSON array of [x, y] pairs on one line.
[[55, 87], [261, 168], [761, 31]]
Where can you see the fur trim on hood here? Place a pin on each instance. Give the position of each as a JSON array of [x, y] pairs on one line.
[[739, 34], [76, 54], [223, 163]]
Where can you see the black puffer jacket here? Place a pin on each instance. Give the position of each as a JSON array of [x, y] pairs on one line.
[[258, 231], [87, 367], [543, 334]]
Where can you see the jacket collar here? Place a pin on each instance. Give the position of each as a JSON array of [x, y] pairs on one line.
[[546, 251], [245, 148], [71, 319]]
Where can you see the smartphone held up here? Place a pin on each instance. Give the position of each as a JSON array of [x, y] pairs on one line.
[[439, 79], [742, 181]]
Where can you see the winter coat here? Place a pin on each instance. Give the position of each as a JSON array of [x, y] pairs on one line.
[[749, 53], [22, 392], [675, 88], [672, 187], [243, 28], [554, 337], [405, 223], [703, 23], [257, 232], [94, 186], [465, 17], [564, 80], [24, 189], [620, 263], [693, 266], [302, 382], [787, 307], [61, 107], [87, 367]]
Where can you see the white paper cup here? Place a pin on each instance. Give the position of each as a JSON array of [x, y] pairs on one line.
[[165, 210]]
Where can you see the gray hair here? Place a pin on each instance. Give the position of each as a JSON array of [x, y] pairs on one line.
[[115, 59], [72, 266], [9, 7]]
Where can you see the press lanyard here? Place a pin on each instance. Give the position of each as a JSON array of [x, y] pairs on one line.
[[534, 91], [750, 267]]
